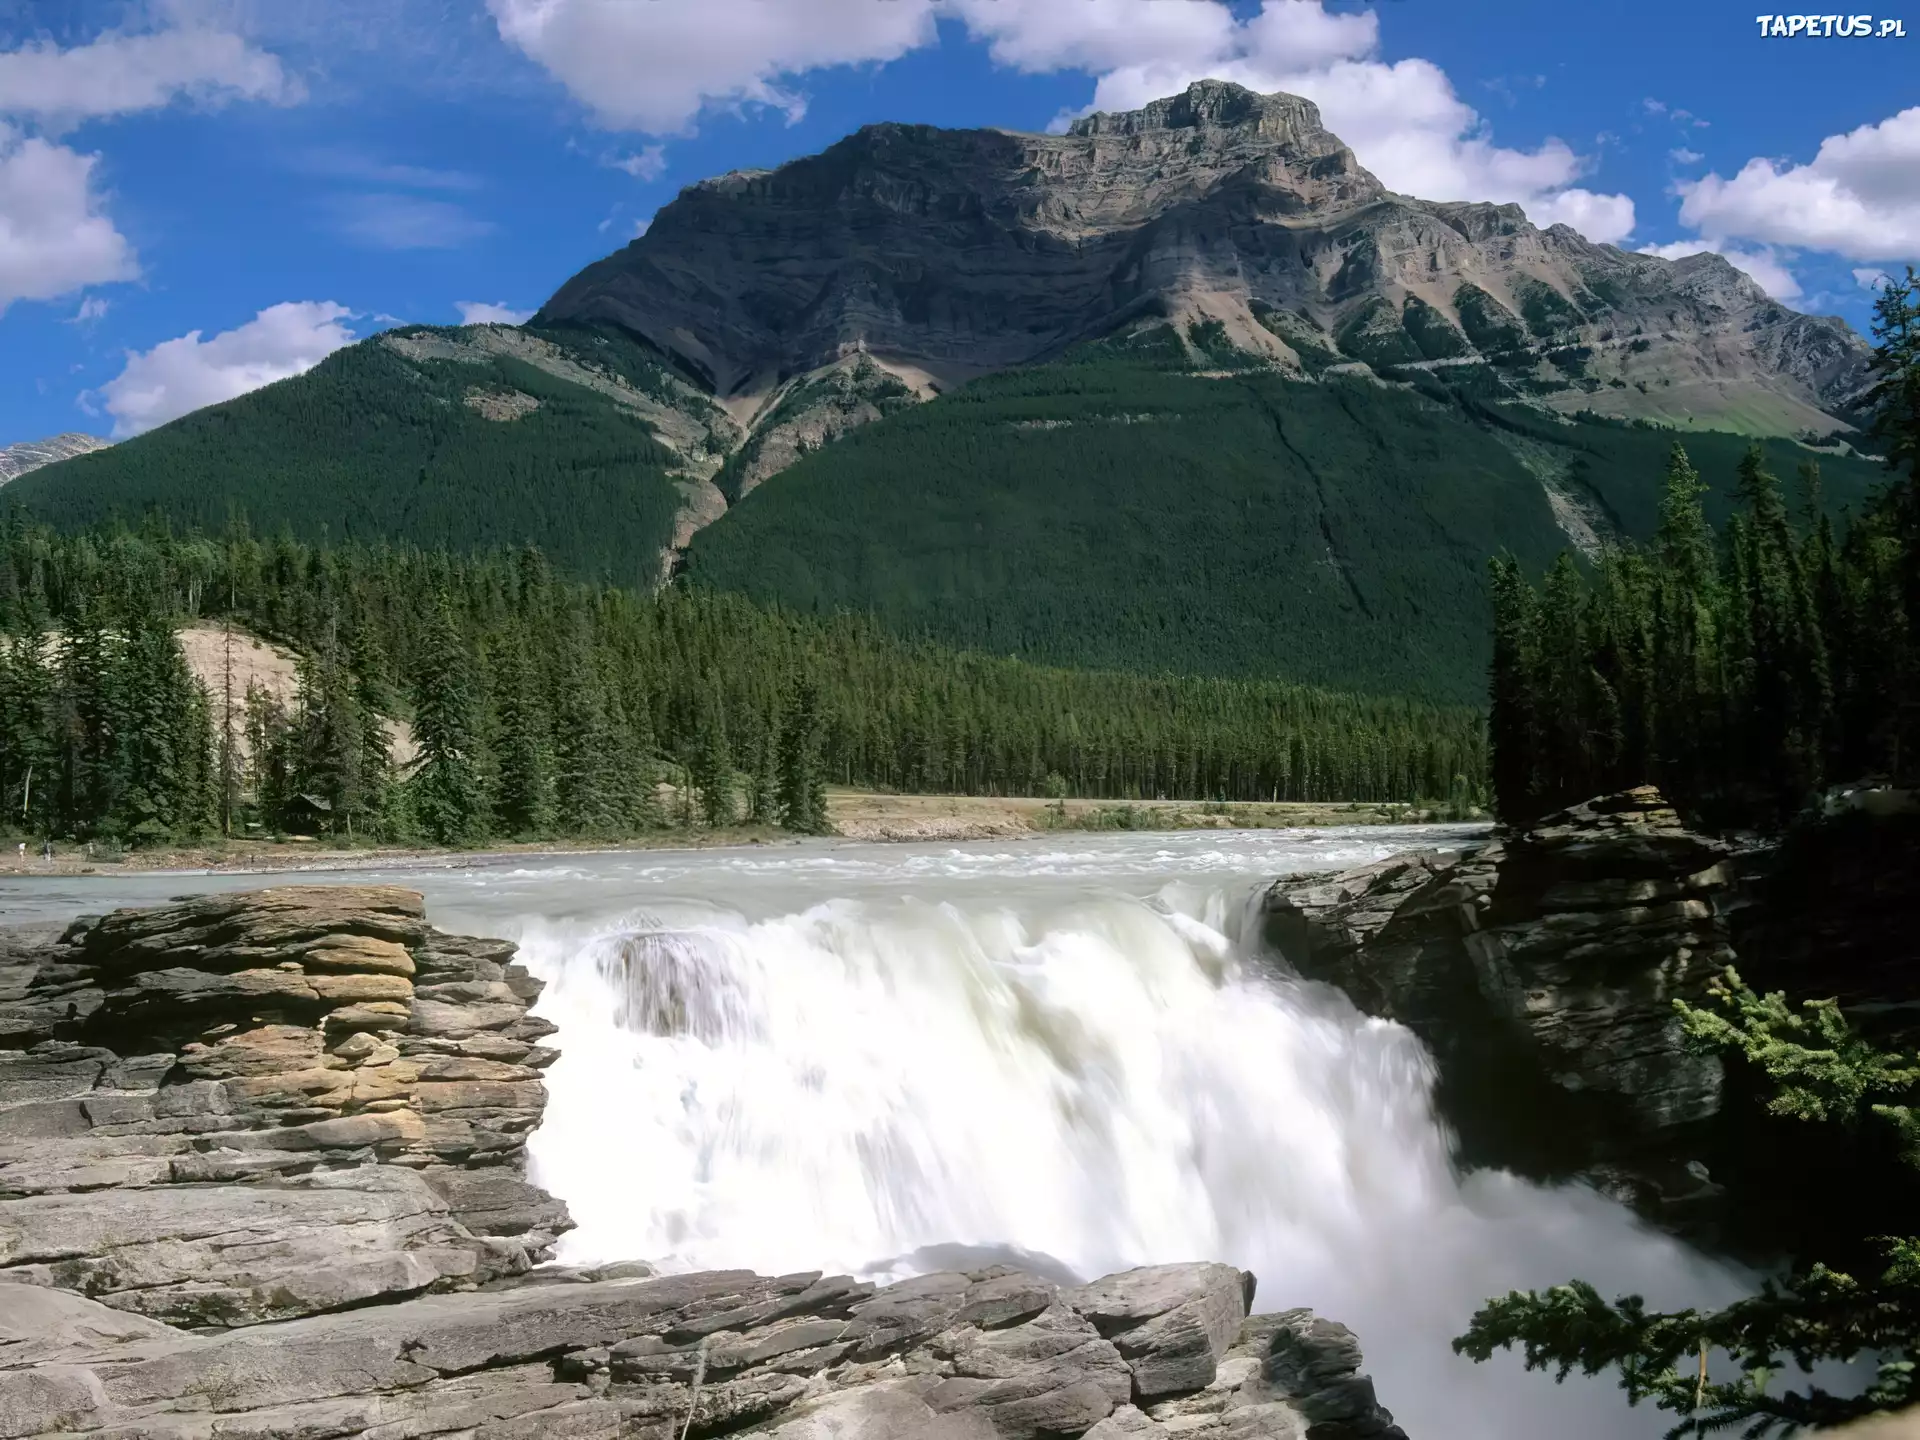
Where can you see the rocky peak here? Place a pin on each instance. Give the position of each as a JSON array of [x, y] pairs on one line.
[[1218, 105], [945, 254], [17, 460]]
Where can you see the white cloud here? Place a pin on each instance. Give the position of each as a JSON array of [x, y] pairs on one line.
[[1763, 266], [654, 67], [650, 163], [1603, 218], [485, 312], [180, 375], [1871, 278], [92, 309], [54, 239], [1858, 197], [405, 222], [640, 227], [120, 73], [1684, 156]]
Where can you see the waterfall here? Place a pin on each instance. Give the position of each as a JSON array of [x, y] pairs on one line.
[[1081, 1082]]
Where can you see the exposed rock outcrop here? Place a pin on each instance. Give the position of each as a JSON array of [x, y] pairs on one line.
[[17, 460], [1238, 217], [253, 1107], [993, 1354], [261, 1178], [1541, 969]]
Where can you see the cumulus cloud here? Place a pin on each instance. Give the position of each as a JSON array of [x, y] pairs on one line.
[[184, 374], [655, 67], [1858, 197], [1763, 266], [54, 236], [119, 73], [489, 312]]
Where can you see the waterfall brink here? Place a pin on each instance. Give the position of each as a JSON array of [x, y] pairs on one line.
[[1084, 1084]]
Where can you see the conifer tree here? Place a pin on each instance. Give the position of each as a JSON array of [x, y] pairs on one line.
[[585, 756], [447, 801], [525, 802], [712, 771], [26, 749], [763, 779], [803, 792]]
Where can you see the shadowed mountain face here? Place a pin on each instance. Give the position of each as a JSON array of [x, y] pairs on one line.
[[943, 254]]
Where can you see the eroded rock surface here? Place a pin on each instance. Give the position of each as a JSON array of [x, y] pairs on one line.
[[253, 1107], [1541, 969], [994, 1354], [261, 1178]]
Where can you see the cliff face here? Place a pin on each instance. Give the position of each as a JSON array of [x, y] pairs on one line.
[[1541, 969], [261, 1177], [947, 253]]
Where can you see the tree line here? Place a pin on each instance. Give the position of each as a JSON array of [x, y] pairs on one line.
[[545, 707], [1741, 670]]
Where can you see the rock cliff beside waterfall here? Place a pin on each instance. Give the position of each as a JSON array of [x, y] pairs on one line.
[[262, 1174]]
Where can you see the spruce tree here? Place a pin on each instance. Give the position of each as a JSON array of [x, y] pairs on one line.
[[763, 779], [26, 740], [585, 782], [712, 770], [525, 800], [803, 793], [1510, 718], [448, 803]]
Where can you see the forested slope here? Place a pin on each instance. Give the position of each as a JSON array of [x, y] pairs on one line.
[[1118, 513], [374, 444]]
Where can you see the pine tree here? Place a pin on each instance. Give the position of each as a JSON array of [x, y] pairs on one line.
[[447, 801], [156, 775], [89, 722], [1510, 720], [26, 740], [525, 802], [763, 779], [802, 787], [585, 757], [269, 758], [712, 769]]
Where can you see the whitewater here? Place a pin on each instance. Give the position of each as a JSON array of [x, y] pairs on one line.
[[1072, 1054]]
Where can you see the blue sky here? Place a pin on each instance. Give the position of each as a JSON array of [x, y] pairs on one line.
[[197, 196]]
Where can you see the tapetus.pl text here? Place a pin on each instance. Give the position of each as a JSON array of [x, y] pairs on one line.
[[1831, 27]]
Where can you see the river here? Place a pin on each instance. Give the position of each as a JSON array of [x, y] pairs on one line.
[[1066, 1051]]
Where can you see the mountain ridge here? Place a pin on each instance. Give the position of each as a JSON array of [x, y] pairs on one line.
[[946, 254]]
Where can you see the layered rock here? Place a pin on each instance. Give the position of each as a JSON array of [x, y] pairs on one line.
[[1541, 970], [261, 1178], [252, 1107], [947, 253], [989, 1353]]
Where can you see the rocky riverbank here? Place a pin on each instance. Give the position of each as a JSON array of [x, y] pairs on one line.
[[1541, 969], [262, 1174]]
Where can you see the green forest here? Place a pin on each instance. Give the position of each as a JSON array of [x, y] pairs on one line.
[[1744, 667], [1113, 513], [373, 445], [547, 707]]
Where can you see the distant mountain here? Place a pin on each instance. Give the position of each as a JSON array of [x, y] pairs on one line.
[[1238, 218], [17, 460], [1183, 389]]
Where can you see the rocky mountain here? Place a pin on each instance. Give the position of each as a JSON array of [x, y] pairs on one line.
[[1239, 219], [17, 460]]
